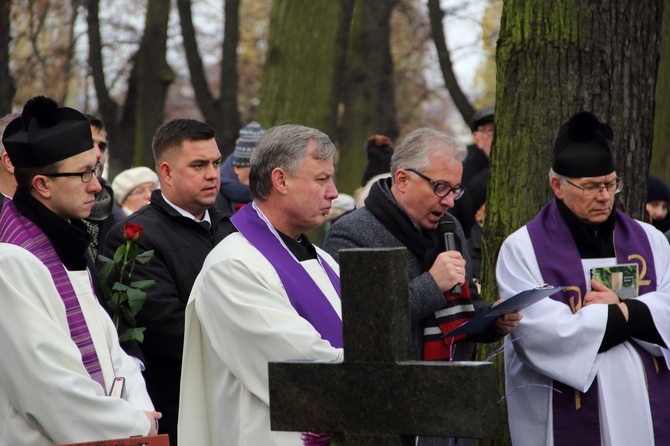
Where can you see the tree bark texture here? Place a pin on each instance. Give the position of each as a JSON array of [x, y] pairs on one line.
[[462, 103], [109, 109], [304, 60], [554, 59], [221, 113], [660, 154], [149, 81], [367, 90], [7, 85]]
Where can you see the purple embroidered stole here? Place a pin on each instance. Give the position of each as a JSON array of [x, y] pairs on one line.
[[576, 414], [20, 231], [303, 293]]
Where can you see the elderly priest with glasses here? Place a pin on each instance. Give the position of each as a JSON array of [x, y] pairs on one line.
[[60, 352], [590, 364]]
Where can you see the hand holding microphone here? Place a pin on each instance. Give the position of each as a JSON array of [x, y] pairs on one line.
[[449, 267]]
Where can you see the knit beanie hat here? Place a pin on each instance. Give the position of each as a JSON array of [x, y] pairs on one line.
[[246, 143], [46, 133], [129, 179], [657, 189], [379, 150], [584, 147]]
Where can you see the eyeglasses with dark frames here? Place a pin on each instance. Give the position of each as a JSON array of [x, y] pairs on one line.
[[589, 192], [442, 189], [86, 175]]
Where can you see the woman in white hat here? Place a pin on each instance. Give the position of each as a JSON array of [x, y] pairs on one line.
[[133, 187]]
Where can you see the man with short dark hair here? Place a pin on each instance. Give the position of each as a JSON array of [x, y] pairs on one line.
[[587, 365], [7, 180], [181, 226], [60, 350], [265, 294], [102, 217]]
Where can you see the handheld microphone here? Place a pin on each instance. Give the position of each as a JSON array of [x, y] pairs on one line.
[[447, 228]]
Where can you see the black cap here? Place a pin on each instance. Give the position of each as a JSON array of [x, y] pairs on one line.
[[482, 117], [657, 189], [46, 133], [379, 150], [584, 147]]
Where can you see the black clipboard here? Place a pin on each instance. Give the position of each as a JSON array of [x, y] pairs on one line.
[[485, 319]]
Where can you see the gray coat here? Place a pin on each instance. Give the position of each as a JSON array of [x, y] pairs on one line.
[[361, 229]]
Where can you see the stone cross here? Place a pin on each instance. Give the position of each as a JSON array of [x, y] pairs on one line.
[[378, 396]]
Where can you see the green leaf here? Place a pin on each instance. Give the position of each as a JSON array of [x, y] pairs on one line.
[[105, 271], [128, 316], [133, 333], [136, 300], [120, 251], [118, 286], [145, 257], [132, 252], [143, 284]]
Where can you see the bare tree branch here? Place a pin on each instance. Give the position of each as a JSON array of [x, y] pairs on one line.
[[451, 83]]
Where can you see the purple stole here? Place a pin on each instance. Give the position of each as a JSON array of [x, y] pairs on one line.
[[20, 231], [576, 414], [303, 293]]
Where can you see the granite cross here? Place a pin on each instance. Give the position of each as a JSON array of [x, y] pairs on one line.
[[378, 396]]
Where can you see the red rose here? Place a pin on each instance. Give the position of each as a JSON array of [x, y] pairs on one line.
[[132, 231]]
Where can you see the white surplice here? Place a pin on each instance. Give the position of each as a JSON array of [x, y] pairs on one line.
[[239, 318], [46, 394], [551, 343]]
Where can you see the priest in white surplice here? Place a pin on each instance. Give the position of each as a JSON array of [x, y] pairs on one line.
[[587, 368], [265, 294], [60, 351]]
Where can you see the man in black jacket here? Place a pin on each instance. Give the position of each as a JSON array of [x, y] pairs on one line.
[[181, 226]]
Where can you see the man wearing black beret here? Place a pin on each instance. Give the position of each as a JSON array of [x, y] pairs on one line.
[[60, 351], [588, 366], [477, 160]]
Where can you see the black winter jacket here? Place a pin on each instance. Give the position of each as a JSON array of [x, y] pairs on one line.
[[180, 246]]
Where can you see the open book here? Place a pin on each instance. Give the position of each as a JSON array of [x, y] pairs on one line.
[[622, 279], [485, 319]]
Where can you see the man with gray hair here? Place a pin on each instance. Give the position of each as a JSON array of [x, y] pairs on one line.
[[405, 211], [264, 294]]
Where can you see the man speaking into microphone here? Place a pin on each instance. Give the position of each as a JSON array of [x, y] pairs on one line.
[[409, 210]]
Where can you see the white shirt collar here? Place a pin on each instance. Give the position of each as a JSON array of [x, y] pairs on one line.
[[187, 214]]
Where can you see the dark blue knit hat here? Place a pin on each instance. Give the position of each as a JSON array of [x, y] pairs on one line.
[[246, 143]]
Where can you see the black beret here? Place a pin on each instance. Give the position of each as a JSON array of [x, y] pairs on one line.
[[482, 117], [584, 147], [46, 133]]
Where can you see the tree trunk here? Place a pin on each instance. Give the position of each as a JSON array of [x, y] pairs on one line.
[[304, 61], [222, 113], [120, 155], [150, 80], [660, 155], [367, 90], [555, 59], [7, 86], [462, 103], [228, 106], [131, 133]]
